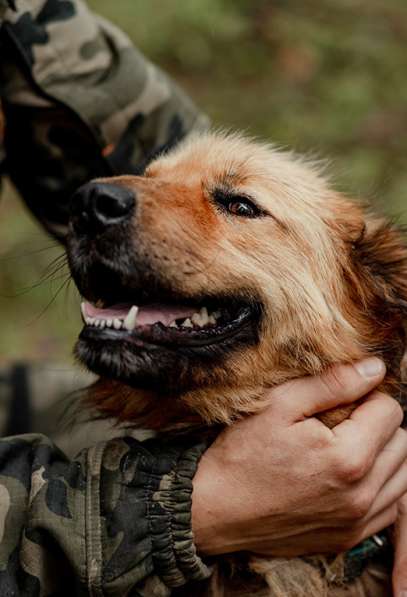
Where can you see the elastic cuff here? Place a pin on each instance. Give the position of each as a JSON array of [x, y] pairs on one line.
[[169, 500]]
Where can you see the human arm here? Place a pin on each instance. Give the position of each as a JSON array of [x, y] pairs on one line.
[[287, 485], [114, 520], [80, 101]]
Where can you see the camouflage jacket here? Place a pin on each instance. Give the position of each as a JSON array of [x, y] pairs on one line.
[[80, 101], [114, 521]]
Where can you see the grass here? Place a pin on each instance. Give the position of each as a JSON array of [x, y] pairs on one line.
[[321, 76]]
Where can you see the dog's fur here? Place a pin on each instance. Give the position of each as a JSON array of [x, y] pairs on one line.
[[331, 279]]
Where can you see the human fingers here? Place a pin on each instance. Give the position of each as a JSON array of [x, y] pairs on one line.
[[342, 384], [400, 558], [362, 531], [388, 476], [392, 491], [365, 496], [365, 433]]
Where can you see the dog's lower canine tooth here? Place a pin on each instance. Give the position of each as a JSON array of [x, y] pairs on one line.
[[173, 325], [131, 319], [187, 323]]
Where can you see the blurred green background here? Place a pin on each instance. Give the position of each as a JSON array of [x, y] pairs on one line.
[[322, 76]]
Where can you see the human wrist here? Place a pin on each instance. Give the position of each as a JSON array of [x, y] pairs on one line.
[[212, 524]]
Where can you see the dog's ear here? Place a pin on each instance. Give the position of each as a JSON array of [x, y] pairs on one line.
[[379, 259], [380, 253]]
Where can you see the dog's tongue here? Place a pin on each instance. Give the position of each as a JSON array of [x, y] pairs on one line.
[[146, 315]]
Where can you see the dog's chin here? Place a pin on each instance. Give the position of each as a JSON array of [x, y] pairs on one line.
[[146, 367], [166, 358]]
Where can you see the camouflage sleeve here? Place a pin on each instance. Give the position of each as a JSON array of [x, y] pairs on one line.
[[2, 152], [80, 101], [114, 521]]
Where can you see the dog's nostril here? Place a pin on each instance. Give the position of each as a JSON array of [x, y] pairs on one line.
[[112, 203], [98, 205]]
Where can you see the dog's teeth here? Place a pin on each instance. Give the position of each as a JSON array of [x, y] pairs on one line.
[[96, 323], [204, 316], [173, 324], [196, 319], [102, 323], [117, 324], [187, 323], [131, 319], [109, 323], [201, 319], [83, 311], [216, 314], [211, 320]]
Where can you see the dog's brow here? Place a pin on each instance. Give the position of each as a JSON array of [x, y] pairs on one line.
[[229, 178]]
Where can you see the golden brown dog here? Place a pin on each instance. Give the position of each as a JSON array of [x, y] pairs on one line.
[[227, 268]]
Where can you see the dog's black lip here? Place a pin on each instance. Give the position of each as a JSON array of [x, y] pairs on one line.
[[160, 335]]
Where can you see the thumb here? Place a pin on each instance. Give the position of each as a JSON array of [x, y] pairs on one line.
[[338, 386]]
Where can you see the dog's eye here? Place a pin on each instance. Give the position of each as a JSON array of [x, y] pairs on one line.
[[242, 208], [237, 205]]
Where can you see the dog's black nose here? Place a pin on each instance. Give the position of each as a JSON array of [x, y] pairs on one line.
[[99, 205]]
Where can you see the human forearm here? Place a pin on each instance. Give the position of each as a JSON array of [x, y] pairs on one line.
[[80, 102], [118, 515]]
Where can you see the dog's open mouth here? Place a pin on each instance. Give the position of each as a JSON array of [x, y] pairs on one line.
[[166, 324], [141, 331]]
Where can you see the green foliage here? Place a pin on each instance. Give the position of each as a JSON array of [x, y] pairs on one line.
[[322, 76], [318, 75]]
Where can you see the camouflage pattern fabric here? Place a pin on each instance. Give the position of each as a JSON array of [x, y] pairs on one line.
[[114, 521], [84, 100]]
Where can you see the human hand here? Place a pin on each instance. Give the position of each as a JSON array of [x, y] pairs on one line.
[[400, 560], [282, 483]]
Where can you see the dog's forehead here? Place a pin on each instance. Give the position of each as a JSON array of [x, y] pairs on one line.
[[202, 159], [217, 158]]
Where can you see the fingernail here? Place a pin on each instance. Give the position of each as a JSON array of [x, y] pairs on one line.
[[372, 367]]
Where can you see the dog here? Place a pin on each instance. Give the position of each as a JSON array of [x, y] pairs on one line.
[[226, 268]]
